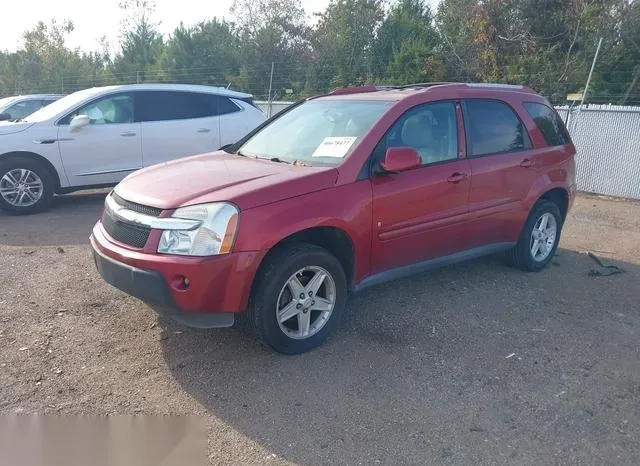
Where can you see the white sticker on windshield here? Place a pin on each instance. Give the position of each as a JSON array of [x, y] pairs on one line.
[[334, 147]]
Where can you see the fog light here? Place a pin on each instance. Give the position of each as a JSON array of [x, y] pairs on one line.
[[180, 283]]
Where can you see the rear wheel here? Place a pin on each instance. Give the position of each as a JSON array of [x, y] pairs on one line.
[[299, 298], [539, 239], [26, 185]]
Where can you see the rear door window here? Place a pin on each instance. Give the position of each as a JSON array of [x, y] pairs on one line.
[[173, 105], [493, 128], [549, 124]]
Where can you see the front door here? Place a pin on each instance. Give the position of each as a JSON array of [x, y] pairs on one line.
[[421, 214], [107, 149], [177, 124]]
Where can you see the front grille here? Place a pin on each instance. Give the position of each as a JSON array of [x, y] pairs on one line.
[[141, 209], [127, 233]]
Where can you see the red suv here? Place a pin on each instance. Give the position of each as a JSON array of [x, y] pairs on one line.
[[337, 193]]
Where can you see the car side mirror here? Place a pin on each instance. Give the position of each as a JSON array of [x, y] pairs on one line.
[[5, 117], [400, 159], [78, 122]]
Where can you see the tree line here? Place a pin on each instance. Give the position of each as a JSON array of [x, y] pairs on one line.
[[271, 45]]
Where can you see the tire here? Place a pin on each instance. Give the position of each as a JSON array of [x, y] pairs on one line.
[[522, 255], [39, 180], [273, 293]]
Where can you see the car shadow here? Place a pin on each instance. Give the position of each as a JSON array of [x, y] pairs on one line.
[[68, 222], [459, 365]]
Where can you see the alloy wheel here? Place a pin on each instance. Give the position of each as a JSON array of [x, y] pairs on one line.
[[21, 187], [306, 302]]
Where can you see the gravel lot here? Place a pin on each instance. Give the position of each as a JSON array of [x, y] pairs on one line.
[[475, 363]]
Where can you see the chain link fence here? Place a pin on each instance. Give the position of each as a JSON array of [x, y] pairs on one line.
[[607, 139]]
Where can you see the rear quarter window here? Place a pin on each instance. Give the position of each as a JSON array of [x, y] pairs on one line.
[[549, 124], [221, 105]]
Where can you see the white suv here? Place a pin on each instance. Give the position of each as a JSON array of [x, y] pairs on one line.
[[96, 137]]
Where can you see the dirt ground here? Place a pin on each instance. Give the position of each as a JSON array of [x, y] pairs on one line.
[[475, 363]]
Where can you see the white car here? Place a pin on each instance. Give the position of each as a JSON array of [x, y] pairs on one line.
[[20, 106], [95, 137]]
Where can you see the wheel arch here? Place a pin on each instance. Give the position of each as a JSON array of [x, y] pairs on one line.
[[40, 159], [559, 196], [333, 239]]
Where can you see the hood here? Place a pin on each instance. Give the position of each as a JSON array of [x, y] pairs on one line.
[[219, 176], [8, 127]]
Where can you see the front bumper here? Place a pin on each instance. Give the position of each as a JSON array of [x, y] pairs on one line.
[[218, 288]]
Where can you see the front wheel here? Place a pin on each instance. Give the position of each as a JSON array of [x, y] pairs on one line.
[[539, 239], [26, 186], [298, 299]]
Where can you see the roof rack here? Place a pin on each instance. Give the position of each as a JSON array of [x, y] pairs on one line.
[[517, 87], [354, 89], [425, 85], [384, 87], [357, 89]]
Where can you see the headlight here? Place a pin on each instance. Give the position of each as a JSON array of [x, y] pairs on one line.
[[215, 235]]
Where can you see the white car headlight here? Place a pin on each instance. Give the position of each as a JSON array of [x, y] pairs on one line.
[[215, 235]]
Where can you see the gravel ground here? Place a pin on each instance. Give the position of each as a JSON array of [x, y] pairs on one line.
[[475, 363]]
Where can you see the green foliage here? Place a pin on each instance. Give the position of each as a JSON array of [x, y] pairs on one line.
[[141, 43], [546, 44], [203, 54]]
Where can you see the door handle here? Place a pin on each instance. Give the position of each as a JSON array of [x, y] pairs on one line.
[[457, 177], [204, 130], [526, 163], [128, 134]]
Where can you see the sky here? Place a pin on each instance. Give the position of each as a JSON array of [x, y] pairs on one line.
[[94, 19]]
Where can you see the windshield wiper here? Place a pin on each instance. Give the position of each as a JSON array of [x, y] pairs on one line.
[[276, 159], [279, 160]]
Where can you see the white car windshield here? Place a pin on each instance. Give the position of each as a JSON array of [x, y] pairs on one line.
[[4, 102], [61, 105], [317, 132]]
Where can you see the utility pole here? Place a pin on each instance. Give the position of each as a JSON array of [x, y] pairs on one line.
[[270, 84], [586, 87], [137, 77], [593, 65]]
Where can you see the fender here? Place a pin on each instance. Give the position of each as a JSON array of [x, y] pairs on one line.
[[261, 229], [41, 142], [556, 178], [40, 159]]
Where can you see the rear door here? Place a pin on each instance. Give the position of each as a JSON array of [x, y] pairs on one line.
[[421, 214], [503, 170], [177, 124]]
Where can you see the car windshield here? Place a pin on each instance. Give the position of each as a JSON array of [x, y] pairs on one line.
[[61, 105], [6, 101], [317, 132]]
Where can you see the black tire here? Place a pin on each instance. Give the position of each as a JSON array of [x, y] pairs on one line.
[[273, 276], [521, 256], [12, 163]]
